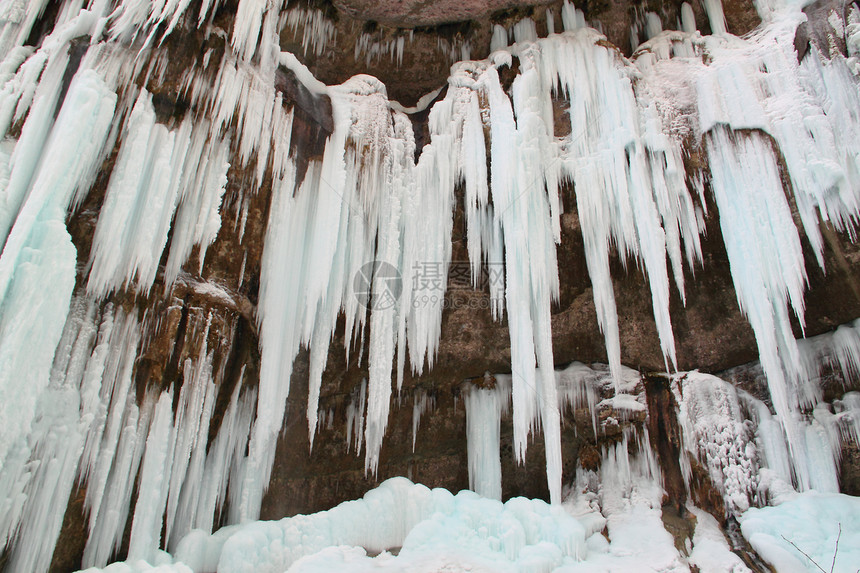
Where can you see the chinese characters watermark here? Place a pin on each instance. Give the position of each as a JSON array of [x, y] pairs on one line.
[[378, 285]]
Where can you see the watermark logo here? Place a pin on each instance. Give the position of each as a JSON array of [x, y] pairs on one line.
[[377, 285]]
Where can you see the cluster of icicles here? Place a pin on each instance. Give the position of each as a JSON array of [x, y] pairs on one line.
[[728, 431], [69, 411]]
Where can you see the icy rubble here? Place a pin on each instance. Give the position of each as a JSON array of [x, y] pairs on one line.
[[365, 200]]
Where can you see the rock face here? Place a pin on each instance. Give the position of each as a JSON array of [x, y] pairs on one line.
[[207, 320], [416, 13], [411, 46]]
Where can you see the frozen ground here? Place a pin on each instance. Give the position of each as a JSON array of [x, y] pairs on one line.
[[401, 526]]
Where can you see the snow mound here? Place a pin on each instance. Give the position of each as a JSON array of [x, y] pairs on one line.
[[433, 529], [811, 522]]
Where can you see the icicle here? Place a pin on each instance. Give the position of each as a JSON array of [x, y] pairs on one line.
[[384, 311], [577, 387], [107, 526], [499, 41], [653, 25], [16, 21], [525, 31], [764, 257], [279, 341], [571, 17], [35, 515], [611, 159], [688, 19], [483, 417], [355, 419], [848, 411], [191, 427], [421, 403], [248, 25], [155, 473], [198, 218], [112, 448], [716, 17], [225, 457], [318, 32], [140, 199]]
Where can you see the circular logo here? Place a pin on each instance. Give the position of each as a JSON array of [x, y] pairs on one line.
[[377, 285]]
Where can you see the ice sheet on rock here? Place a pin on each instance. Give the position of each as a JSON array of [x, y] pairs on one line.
[[714, 430], [32, 508], [37, 265]]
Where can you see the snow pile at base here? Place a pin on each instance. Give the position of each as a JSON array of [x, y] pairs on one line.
[[809, 523], [141, 567], [611, 521], [469, 531]]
